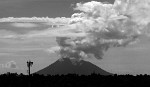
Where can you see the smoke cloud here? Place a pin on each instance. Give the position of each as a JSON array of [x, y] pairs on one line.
[[104, 26]]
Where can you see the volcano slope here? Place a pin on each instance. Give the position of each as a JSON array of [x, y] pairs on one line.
[[66, 66]]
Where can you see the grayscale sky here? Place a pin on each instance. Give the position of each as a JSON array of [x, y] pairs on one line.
[[39, 8], [15, 50]]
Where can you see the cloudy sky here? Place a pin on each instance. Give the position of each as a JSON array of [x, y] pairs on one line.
[[15, 50], [38, 8], [20, 42]]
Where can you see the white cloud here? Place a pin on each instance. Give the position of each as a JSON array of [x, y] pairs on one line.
[[53, 49], [58, 20], [104, 26], [11, 64]]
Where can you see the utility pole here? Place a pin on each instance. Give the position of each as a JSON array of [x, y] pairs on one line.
[[29, 64]]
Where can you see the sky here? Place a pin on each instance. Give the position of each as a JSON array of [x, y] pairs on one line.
[[38, 8], [16, 51], [20, 42], [17, 46]]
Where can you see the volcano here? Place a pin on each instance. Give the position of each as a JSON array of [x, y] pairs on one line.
[[66, 66]]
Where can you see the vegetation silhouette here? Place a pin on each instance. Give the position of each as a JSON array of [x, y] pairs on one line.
[[73, 80], [95, 79]]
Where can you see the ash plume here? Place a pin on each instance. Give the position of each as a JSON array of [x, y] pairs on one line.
[[104, 26]]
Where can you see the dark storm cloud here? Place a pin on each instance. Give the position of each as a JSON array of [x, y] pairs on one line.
[[40, 8]]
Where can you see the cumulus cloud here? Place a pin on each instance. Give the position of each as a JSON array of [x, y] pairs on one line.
[[53, 49], [11, 64], [104, 26], [98, 27], [137, 10]]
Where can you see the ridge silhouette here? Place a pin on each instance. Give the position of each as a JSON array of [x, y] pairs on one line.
[[66, 66]]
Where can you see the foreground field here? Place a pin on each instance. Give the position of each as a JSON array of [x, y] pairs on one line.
[[73, 80]]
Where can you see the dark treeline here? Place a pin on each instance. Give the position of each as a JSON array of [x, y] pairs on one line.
[[73, 80]]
